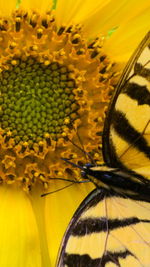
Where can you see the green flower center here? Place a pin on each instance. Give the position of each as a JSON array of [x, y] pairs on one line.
[[36, 100]]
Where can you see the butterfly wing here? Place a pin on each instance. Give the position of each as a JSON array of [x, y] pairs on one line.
[[108, 229], [126, 138]]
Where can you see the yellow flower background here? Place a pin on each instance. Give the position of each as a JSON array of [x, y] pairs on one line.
[[93, 40]]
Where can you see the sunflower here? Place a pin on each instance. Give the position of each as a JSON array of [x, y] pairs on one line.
[[59, 64]]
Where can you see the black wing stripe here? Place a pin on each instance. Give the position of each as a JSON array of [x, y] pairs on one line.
[[128, 133], [138, 92], [76, 260], [114, 257], [142, 71], [95, 225]]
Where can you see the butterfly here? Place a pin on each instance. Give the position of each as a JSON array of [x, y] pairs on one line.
[[111, 227]]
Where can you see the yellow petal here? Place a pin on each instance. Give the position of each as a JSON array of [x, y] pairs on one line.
[[6, 7], [124, 41], [70, 11], [38, 205], [114, 14], [60, 207], [98, 17], [19, 242], [36, 5]]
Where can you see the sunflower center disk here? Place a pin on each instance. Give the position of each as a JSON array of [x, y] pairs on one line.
[[36, 100], [54, 87]]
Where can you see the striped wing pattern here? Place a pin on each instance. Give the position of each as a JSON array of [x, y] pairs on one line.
[[108, 230], [127, 143]]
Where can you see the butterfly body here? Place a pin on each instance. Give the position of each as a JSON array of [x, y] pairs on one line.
[[116, 180], [111, 227]]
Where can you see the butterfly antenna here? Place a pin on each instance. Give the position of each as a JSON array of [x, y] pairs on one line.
[[82, 147], [62, 188], [73, 164], [85, 153], [63, 179], [49, 193]]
